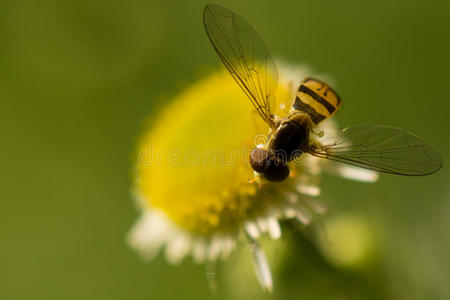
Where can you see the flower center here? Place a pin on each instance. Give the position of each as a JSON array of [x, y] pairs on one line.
[[193, 165]]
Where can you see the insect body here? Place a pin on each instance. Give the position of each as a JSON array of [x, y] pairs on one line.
[[381, 148], [288, 141]]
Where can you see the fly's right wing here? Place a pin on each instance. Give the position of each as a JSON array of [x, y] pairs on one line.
[[381, 148], [245, 55]]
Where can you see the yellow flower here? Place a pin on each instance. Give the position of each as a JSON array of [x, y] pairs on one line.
[[193, 181]]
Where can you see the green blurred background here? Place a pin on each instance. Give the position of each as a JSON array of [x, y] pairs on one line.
[[77, 78]]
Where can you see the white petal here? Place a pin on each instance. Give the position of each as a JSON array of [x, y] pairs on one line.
[[215, 247], [289, 212], [313, 165], [177, 248], [199, 250], [252, 229], [228, 245], [149, 234], [358, 174], [262, 224], [274, 228], [262, 268], [303, 215], [310, 190]]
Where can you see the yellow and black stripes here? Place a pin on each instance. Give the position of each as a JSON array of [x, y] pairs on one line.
[[317, 99]]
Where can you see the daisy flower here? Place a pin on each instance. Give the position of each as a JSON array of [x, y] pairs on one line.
[[195, 188]]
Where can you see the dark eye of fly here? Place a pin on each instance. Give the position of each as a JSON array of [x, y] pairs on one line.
[[272, 168], [259, 159], [276, 170]]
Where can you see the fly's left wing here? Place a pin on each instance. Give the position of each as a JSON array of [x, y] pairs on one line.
[[245, 55], [381, 148]]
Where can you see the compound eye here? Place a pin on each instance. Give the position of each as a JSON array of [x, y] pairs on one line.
[[259, 159], [276, 171]]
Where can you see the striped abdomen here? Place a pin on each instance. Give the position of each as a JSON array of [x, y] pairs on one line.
[[317, 99]]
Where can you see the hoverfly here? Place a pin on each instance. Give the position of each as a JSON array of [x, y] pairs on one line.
[[380, 148]]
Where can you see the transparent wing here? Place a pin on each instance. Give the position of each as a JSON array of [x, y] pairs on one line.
[[381, 148], [245, 55]]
